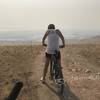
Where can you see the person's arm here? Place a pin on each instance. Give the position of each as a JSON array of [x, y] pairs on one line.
[[43, 39], [61, 36]]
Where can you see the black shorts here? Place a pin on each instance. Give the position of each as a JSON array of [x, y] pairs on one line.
[[49, 55]]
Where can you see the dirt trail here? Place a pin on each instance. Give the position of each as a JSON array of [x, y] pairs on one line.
[[81, 71], [48, 91], [43, 91], [79, 75]]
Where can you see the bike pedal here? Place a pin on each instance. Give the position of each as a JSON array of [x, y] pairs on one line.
[[59, 81]]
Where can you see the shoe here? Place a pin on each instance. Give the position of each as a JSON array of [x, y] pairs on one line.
[[60, 81], [42, 80]]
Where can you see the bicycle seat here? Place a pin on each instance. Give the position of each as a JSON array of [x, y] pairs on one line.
[[56, 53]]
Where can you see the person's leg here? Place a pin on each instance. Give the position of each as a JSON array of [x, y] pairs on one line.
[[45, 67], [47, 60]]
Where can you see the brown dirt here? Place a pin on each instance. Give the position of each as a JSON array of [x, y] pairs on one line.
[[81, 69]]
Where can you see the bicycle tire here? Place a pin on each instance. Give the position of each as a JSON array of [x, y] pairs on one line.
[[62, 88]]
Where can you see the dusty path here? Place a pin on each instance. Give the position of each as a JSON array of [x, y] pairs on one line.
[[48, 91], [77, 77], [43, 91], [81, 70]]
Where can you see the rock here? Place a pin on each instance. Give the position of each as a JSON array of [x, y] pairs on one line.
[[69, 69], [98, 73], [79, 69], [6, 83], [76, 70], [87, 71], [73, 70], [84, 89]]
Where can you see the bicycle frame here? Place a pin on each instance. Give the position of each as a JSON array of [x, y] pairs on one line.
[[55, 68], [56, 72]]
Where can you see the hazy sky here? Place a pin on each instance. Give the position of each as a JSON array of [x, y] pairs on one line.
[[37, 14]]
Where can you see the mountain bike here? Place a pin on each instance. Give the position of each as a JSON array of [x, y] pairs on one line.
[[56, 70]]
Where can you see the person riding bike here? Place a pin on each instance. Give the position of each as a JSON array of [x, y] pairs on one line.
[[52, 36]]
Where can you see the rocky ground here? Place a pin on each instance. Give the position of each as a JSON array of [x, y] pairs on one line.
[[81, 70]]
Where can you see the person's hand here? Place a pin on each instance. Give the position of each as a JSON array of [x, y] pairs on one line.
[[44, 44], [61, 46]]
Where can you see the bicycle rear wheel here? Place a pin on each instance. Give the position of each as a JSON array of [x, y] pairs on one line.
[[60, 88]]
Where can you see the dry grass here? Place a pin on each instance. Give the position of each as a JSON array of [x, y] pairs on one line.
[[24, 63], [15, 64]]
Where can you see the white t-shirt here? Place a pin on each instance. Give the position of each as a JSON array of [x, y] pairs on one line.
[[52, 41]]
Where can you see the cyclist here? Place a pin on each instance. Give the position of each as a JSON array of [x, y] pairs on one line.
[[52, 36]]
